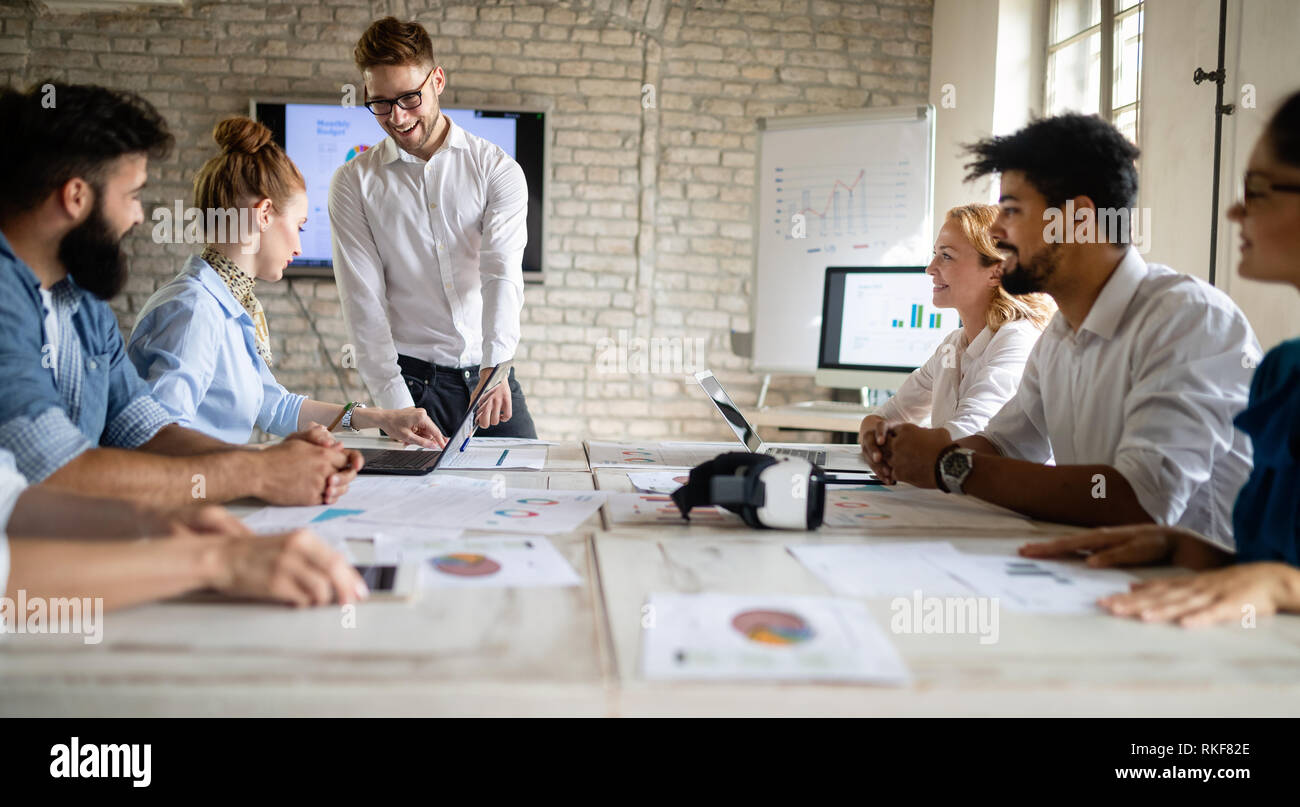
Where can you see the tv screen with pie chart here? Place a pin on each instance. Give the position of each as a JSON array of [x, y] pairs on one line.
[[321, 137]]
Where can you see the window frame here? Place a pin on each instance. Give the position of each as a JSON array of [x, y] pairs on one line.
[[1106, 26]]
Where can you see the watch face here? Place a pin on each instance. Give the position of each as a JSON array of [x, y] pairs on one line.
[[955, 464]]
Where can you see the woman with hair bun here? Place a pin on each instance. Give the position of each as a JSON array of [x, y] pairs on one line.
[[202, 342]]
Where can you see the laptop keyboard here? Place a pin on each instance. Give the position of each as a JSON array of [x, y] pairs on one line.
[[815, 457], [387, 459]]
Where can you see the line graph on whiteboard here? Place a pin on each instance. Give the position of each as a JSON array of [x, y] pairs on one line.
[[823, 205], [833, 190]]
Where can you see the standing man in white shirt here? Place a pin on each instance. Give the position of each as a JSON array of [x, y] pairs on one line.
[[429, 229], [1133, 386]]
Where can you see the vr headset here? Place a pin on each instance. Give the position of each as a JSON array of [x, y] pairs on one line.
[[771, 492]]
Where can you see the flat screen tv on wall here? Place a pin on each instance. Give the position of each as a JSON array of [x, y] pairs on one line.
[[319, 137]]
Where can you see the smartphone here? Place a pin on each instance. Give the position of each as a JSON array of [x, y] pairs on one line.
[[389, 580]]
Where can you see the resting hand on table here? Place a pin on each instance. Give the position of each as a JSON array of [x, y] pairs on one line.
[[871, 436], [496, 406], [1133, 545], [295, 567], [1209, 597], [912, 452]]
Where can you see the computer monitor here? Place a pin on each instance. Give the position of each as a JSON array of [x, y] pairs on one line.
[[878, 325], [319, 137]]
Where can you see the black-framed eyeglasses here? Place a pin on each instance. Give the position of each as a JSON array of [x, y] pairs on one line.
[[380, 107], [1255, 185]]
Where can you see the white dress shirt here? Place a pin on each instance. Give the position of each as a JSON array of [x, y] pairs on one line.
[[961, 386], [12, 484], [428, 257], [1148, 385], [51, 332]]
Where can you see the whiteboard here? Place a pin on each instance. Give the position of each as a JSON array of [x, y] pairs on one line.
[[855, 189]]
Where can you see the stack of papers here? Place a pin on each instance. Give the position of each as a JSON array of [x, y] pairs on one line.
[[439, 501], [658, 481], [496, 561], [894, 506], [632, 456], [936, 568], [658, 508], [776, 638], [883, 570], [503, 454]]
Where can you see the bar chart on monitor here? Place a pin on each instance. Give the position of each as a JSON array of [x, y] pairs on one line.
[[895, 323]]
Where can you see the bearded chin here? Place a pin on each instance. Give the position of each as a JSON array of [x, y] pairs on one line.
[[1031, 277], [93, 257], [1021, 281]]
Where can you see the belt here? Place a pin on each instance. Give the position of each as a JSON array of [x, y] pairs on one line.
[[426, 372]]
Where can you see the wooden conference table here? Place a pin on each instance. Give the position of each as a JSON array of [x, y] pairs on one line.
[[575, 650]]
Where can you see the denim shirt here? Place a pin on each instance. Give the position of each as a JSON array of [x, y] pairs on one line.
[[98, 399], [196, 347]]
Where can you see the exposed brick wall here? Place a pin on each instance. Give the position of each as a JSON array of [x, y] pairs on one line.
[[650, 209]]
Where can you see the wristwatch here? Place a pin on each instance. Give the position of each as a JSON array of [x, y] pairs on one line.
[[347, 416], [953, 466]]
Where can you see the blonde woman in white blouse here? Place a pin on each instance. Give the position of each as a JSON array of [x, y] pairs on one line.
[[978, 366]]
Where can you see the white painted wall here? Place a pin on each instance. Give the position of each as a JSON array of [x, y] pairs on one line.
[[1178, 137], [1267, 57], [992, 52], [1177, 132], [964, 55]]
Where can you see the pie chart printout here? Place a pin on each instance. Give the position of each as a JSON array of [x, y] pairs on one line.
[[464, 564], [772, 627]]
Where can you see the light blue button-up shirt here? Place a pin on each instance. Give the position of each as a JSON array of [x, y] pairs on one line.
[[196, 347]]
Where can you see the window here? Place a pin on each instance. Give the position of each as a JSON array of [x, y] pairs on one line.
[[1094, 60]]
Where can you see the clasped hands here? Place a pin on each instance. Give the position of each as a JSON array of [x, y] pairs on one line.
[[903, 452]]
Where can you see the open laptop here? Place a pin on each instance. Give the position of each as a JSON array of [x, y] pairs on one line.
[[748, 435], [416, 463]]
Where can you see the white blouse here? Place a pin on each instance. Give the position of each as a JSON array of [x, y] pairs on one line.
[[961, 386]]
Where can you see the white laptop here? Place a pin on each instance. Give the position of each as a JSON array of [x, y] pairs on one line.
[[748, 435]]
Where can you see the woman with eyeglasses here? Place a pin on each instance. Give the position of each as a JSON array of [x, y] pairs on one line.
[[1263, 577], [201, 341]]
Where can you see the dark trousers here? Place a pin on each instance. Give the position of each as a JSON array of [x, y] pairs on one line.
[[444, 393]]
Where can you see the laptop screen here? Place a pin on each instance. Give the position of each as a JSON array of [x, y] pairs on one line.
[[730, 412], [469, 424]]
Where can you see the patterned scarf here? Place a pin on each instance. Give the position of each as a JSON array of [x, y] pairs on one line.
[[241, 285]]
